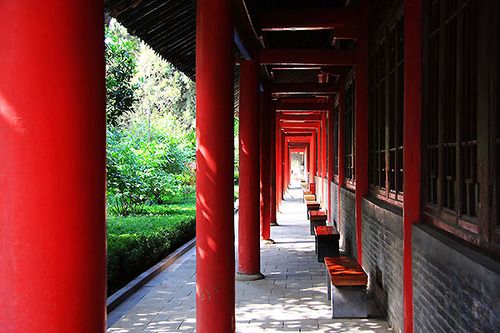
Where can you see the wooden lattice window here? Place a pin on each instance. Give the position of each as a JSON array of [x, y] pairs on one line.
[[450, 128], [386, 115], [349, 131]]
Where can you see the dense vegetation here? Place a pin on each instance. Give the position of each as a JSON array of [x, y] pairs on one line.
[[136, 243], [150, 156]]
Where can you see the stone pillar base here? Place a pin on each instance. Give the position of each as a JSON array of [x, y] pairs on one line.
[[349, 302], [242, 277]]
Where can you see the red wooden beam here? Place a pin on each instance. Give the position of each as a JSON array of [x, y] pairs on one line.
[[346, 32], [297, 134], [296, 68], [300, 126], [280, 107], [311, 57], [292, 117], [302, 113], [308, 19], [304, 88], [303, 100], [298, 145]]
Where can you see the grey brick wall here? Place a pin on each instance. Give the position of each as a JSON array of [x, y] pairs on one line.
[[319, 184], [335, 201], [348, 222], [383, 258], [325, 194], [455, 289]]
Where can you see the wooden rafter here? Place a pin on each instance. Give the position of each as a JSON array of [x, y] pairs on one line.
[[310, 57], [308, 19]]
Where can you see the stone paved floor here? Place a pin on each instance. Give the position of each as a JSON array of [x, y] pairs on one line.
[[292, 297]]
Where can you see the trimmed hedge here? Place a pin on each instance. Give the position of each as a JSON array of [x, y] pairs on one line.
[[136, 243]]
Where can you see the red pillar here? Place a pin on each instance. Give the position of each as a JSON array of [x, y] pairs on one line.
[[287, 166], [314, 151], [323, 158], [331, 142], [215, 297], [52, 170], [311, 158], [361, 124], [283, 166], [273, 167], [340, 150], [249, 212], [278, 155], [265, 166], [411, 145]]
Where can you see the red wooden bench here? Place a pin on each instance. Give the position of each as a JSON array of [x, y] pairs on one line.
[[346, 281], [317, 218], [312, 206], [309, 197], [327, 241]]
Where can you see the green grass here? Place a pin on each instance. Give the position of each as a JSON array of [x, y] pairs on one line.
[[236, 192], [173, 209], [135, 243]]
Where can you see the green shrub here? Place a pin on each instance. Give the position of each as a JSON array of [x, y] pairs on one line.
[[136, 243], [173, 209]]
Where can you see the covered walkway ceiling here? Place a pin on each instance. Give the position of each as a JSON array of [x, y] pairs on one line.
[[304, 46]]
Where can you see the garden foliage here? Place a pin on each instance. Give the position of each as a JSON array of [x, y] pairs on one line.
[[150, 157], [136, 243]]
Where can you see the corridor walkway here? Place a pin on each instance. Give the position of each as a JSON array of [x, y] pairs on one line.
[[292, 297]]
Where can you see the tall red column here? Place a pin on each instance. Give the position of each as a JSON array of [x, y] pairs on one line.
[[323, 158], [249, 212], [279, 161], [412, 125], [215, 297], [331, 142], [314, 154], [52, 169], [286, 168], [361, 124], [341, 150], [265, 166], [273, 168], [282, 166]]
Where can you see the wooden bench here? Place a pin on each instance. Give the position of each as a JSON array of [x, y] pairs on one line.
[[309, 197], [346, 282], [327, 241], [317, 218], [311, 206]]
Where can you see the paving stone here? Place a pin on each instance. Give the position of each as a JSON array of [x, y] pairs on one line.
[[292, 297]]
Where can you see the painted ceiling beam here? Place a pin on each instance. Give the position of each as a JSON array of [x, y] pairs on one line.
[[309, 57], [308, 19]]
